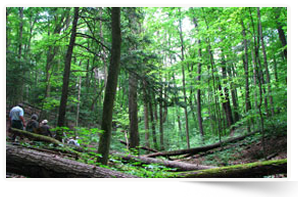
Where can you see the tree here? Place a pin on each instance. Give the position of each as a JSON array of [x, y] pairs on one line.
[[110, 90], [67, 66], [134, 140]]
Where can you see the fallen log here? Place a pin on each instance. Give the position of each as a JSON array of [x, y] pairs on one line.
[[171, 164], [43, 138], [35, 164], [35, 136], [250, 170], [199, 149]]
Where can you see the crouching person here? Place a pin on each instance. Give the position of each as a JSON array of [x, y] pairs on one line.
[[73, 141], [44, 129], [32, 125]]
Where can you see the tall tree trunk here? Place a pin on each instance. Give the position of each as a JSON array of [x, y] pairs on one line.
[[134, 140], [146, 114], [161, 119], [234, 94], [183, 81], [67, 66], [266, 64], [111, 87]]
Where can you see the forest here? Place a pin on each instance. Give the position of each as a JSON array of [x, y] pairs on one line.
[[147, 92]]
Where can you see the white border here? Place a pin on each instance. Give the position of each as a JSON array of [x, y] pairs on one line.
[[168, 187]]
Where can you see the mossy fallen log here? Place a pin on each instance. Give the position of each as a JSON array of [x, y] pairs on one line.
[[33, 136], [36, 164], [249, 170]]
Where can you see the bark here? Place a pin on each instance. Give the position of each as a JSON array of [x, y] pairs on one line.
[[134, 139], [37, 164], [146, 114], [200, 149], [110, 91], [161, 119], [250, 170], [66, 75], [170, 164]]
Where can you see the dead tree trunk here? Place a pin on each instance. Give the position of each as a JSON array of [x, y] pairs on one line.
[[200, 149], [171, 164], [37, 164]]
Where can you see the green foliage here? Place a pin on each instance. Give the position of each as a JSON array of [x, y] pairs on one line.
[[151, 50]]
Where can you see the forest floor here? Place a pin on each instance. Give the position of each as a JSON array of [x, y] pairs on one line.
[[242, 152]]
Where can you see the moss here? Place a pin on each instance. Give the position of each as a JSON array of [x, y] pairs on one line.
[[223, 171]]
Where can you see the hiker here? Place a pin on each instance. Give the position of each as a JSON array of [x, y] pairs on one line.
[[44, 128], [16, 118], [32, 125]]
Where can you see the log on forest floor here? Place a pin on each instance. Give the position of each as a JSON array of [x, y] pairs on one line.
[[171, 164], [31, 163], [200, 149], [35, 164], [33, 136], [250, 170]]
